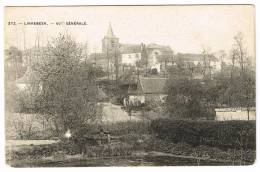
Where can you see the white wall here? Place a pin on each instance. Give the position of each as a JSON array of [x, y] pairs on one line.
[[131, 59], [134, 98], [226, 114], [152, 56], [216, 66]]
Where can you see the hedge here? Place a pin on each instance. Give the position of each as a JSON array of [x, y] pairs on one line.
[[223, 134], [116, 129]]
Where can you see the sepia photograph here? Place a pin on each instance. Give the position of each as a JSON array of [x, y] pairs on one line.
[[129, 85]]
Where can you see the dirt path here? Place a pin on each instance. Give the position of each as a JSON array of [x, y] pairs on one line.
[[114, 113]]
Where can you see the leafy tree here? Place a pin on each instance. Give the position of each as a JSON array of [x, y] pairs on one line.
[[69, 91], [233, 86], [11, 101], [186, 99], [98, 71], [242, 90], [13, 64]]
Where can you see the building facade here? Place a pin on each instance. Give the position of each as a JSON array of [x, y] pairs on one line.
[[147, 89], [125, 56]]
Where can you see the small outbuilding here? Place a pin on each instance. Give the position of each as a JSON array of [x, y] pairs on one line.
[[147, 89]]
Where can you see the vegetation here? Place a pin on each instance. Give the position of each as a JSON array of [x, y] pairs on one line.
[[59, 86], [202, 152], [13, 64], [231, 143], [187, 99], [39, 151], [233, 86], [63, 89], [69, 92], [226, 134], [115, 129]]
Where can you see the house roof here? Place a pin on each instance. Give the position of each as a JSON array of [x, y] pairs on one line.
[[110, 33], [152, 85], [130, 48], [193, 57], [166, 53], [155, 46]]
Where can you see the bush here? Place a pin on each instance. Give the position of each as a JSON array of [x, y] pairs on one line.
[[224, 134], [122, 128], [116, 129], [187, 99], [203, 151]]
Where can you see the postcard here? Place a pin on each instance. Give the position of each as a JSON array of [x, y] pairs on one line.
[[161, 85]]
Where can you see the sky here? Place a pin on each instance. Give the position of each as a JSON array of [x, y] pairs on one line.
[[186, 29]]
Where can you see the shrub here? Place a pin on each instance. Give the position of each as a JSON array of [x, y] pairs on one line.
[[122, 128], [116, 129], [224, 134]]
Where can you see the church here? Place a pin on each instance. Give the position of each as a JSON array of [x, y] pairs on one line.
[[118, 58]]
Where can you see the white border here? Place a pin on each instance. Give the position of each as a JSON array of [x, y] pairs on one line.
[[255, 167]]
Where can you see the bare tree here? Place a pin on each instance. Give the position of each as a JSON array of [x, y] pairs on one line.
[[234, 54], [241, 51], [242, 86], [206, 62], [222, 58], [85, 49]]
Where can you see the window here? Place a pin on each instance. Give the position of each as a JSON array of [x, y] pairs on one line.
[[137, 56]]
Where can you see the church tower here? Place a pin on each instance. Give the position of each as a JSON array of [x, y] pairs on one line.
[[110, 41]]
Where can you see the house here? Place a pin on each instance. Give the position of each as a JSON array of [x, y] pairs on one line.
[[156, 56], [159, 56], [227, 114], [197, 61], [101, 60], [128, 56], [147, 89]]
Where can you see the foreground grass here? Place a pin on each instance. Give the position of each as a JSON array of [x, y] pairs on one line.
[[137, 159], [127, 151], [141, 143]]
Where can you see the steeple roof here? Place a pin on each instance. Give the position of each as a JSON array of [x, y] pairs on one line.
[[110, 33]]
